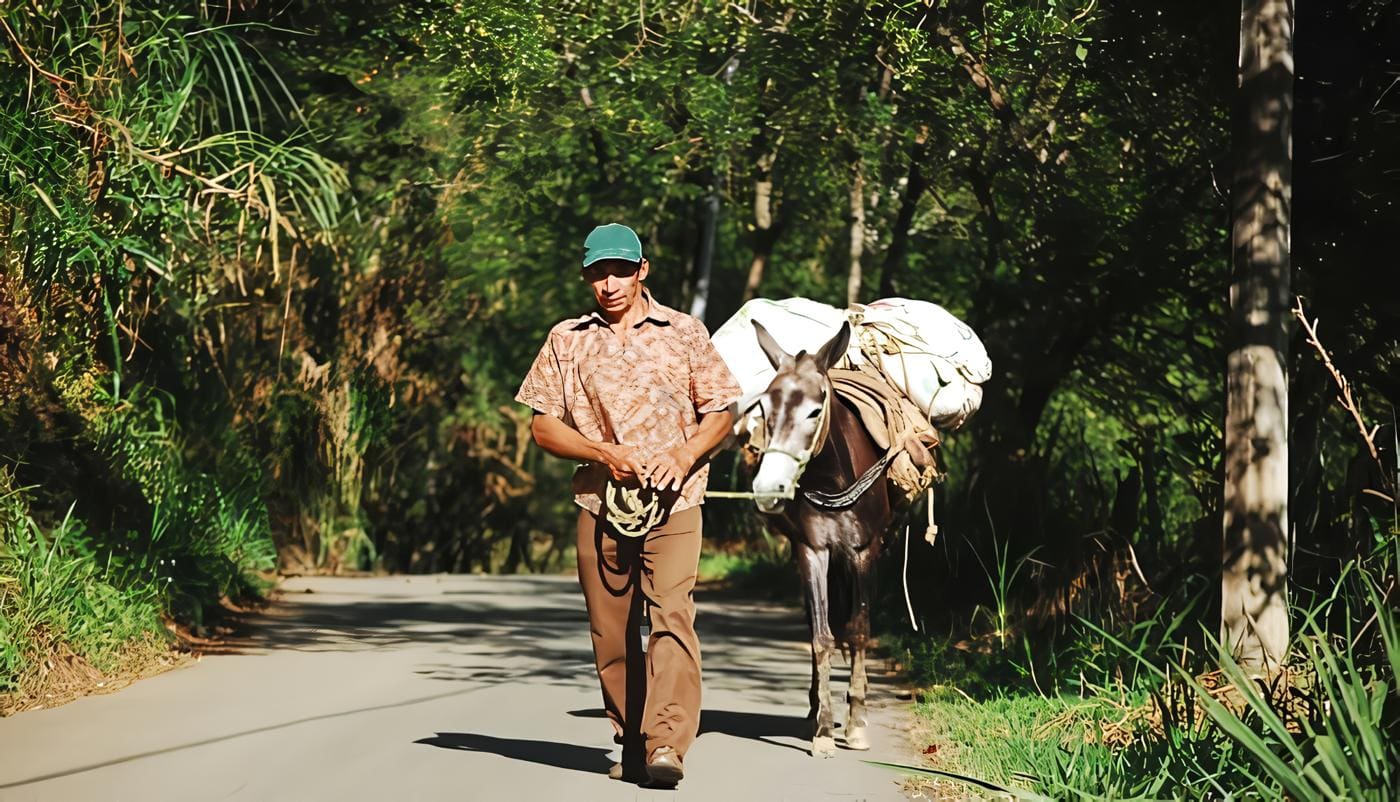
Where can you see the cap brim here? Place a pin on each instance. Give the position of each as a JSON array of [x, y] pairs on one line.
[[610, 253]]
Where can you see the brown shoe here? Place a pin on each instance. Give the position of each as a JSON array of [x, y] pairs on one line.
[[629, 771], [665, 767]]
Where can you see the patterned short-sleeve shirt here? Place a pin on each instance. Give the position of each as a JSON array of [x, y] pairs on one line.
[[647, 391]]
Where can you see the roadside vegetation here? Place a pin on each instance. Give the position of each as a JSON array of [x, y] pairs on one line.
[[1152, 711]]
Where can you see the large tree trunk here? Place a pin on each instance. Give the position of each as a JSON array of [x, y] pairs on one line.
[[1254, 608], [857, 233]]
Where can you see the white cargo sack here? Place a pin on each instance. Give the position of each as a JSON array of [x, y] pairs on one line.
[[929, 355], [935, 359]]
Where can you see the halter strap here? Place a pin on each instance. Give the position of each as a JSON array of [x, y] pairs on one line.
[[818, 440]]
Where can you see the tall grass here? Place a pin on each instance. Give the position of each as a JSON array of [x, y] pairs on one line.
[[60, 597], [101, 593], [208, 535], [1327, 726]]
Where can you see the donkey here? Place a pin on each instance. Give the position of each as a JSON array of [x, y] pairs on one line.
[[816, 445]]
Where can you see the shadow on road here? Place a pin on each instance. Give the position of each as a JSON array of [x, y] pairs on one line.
[[477, 633], [753, 726], [537, 628], [590, 759]]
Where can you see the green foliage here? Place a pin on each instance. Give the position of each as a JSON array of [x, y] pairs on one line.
[[1324, 728], [1009, 741], [59, 596], [140, 163], [752, 570], [208, 534]]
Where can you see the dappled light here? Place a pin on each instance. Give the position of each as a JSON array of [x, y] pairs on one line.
[[321, 321]]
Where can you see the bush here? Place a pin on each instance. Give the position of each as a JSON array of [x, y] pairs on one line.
[[60, 599], [78, 600]]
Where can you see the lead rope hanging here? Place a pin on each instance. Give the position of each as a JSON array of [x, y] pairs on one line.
[[931, 532], [908, 605], [930, 535]]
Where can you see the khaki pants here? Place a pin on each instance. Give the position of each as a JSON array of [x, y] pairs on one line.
[[652, 701]]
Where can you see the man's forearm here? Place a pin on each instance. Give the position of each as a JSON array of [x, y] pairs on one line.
[[564, 441], [714, 427]]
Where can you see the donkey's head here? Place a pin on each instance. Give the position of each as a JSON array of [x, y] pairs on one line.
[[796, 414]]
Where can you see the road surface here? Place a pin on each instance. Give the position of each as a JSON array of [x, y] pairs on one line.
[[439, 687]]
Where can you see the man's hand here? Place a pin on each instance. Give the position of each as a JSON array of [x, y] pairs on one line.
[[668, 469], [624, 462]]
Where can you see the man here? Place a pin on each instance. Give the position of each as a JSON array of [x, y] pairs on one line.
[[636, 392]]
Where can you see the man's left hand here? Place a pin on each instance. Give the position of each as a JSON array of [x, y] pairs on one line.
[[668, 469]]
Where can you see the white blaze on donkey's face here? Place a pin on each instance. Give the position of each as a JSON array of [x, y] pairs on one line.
[[795, 412]]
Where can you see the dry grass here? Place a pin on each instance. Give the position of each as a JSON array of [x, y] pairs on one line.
[[64, 676]]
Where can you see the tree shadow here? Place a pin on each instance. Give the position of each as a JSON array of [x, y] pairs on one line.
[[589, 759]]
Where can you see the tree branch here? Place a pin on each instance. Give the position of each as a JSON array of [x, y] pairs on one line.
[[976, 69], [1344, 395]]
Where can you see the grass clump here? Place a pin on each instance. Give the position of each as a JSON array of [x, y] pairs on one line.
[[1326, 725], [64, 618]]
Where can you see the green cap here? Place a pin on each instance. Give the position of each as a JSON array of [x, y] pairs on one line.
[[612, 241]]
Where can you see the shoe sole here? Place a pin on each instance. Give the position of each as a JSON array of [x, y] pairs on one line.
[[665, 775]]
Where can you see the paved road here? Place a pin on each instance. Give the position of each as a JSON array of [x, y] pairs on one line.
[[437, 687]]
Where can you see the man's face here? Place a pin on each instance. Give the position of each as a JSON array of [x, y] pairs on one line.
[[616, 283]]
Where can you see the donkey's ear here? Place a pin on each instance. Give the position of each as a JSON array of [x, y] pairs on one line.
[[835, 348], [771, 349]]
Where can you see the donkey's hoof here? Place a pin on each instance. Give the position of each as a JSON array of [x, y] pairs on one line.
[[824, 746], [855, 739]]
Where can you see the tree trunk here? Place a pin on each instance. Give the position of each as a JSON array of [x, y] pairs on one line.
[[857, 233], [756, 268], [704, 262], [1254, 609], [765, 234], [914, 187]]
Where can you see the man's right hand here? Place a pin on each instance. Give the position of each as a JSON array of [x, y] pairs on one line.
[[624, 462]]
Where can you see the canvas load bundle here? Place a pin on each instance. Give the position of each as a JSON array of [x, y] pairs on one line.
[[929, 356]]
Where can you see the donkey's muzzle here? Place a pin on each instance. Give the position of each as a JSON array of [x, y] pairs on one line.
[[770, 505]]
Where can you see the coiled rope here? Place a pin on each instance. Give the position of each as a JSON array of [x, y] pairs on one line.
[[629, 513]]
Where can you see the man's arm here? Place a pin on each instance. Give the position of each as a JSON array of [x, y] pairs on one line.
[[564, 441], [672, 467]]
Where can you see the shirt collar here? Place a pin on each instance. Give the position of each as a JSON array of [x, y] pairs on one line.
[[657, 313]]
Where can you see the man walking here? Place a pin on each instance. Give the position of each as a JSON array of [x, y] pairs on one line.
[[636, 392]]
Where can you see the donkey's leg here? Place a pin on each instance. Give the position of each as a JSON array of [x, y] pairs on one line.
[[857, 637], [814, 565], [855, 715]]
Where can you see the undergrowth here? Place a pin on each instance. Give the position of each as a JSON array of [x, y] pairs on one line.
[[757, 564], [82, 600], [1151, 715]]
